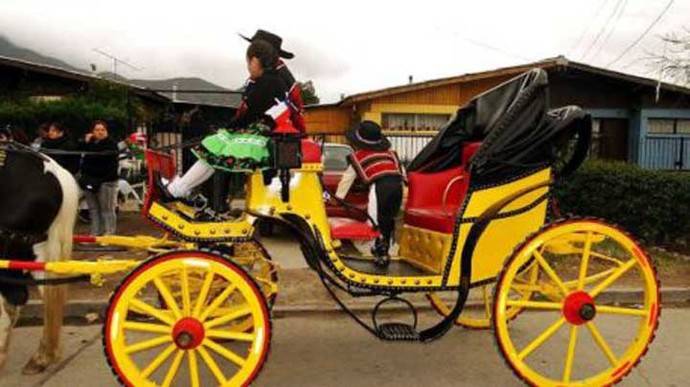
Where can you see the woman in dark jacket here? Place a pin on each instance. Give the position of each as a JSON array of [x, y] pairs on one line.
[[99, 178], [56, 141]]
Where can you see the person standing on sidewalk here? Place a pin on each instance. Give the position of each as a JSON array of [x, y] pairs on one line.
[[58, 140], [99, 178]]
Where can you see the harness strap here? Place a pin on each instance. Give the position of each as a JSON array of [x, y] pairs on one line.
[[12, 236]]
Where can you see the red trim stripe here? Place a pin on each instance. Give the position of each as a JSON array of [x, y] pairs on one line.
[[653, 314], [84, 239], [640, 255], [621, 369], [27, 265]]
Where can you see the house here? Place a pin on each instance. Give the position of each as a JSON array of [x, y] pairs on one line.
[[47, 82], [636, 119]]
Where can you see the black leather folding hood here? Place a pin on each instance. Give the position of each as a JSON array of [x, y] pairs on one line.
[[515, 127]]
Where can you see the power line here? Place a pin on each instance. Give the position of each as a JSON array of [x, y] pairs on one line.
[[115, 60], [603, 28], [586, 29], [484, 45], [608, 35], [639, 38]]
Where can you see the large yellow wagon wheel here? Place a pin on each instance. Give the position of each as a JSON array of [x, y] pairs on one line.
[[479, 308], [571, 331], [252, 258], [187, 342]]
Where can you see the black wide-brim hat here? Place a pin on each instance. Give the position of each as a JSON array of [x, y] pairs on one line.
[[368, 136], [271, 38]]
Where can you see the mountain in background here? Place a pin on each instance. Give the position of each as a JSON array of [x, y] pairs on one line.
[[226, 97], [11, 50]]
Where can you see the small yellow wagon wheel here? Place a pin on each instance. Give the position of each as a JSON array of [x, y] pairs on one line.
[[479, 316], [573, 331], [186, 342]]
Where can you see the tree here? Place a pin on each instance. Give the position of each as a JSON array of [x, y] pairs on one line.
[[309, 96], [673, 62]]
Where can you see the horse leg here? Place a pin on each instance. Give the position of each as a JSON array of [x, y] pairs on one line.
[[57, 247], [8, 317], [53, 302], [49, 350]]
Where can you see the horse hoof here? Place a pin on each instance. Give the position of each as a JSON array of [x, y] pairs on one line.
[[34, 367]]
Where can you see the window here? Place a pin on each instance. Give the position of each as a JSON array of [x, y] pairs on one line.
[[668, 126], [335, 157], [413, 122]]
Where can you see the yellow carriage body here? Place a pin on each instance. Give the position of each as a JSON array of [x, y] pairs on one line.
[[438, 254]]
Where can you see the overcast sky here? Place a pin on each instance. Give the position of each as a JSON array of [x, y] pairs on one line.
[[343, 46]]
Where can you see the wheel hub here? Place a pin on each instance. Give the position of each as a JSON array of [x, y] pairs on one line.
[[188, 333], [579, 307]]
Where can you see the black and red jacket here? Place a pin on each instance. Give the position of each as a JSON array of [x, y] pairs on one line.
[[372, 165], [294, 96], [260, 94]]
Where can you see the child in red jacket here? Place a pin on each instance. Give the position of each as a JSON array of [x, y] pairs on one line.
[[375, 165]]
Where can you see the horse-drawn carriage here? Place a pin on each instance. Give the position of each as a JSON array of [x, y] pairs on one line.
[[479, 217]]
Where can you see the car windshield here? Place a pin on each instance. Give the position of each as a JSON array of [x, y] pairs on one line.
[[335, 157]]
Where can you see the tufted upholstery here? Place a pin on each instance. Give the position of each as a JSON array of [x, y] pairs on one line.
[[423, 248], [434, 198], [351, 229]]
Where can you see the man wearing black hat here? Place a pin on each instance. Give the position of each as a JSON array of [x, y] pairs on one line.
[[294, 88], [375, 165]]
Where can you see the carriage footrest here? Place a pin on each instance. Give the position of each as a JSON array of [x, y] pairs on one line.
[[397, 332]]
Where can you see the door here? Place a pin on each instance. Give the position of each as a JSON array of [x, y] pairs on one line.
[[613, 139]]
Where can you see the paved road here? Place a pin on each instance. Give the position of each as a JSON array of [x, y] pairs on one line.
[[330, 350]]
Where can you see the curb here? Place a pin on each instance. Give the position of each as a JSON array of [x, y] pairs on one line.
[[85, 312]]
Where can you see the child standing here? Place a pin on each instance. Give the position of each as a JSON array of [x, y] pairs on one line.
[[378, 167]]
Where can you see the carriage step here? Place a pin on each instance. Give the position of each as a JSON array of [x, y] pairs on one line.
[[397, 332]]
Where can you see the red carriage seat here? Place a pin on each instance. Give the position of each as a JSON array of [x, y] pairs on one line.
[[351, 229], [434, 199], [311, 151], [157, 164]]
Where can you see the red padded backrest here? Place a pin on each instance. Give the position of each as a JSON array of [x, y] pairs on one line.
[[430, 189], [311, 151], [426, 189], [157, 164], [469, 150]]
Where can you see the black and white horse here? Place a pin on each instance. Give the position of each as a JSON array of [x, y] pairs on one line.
[[38, 205]]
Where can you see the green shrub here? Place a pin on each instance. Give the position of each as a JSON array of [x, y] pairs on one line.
[[654, 205], [103, 101]]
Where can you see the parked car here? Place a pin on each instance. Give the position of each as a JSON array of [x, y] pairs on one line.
[[334, 165]]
